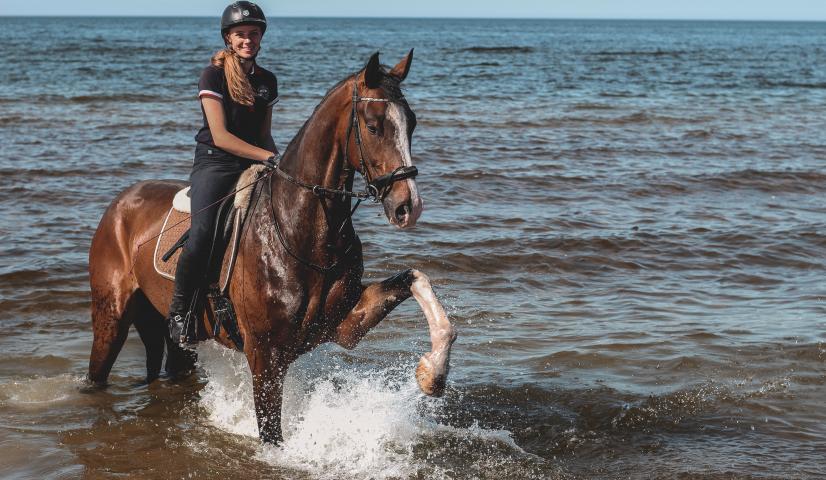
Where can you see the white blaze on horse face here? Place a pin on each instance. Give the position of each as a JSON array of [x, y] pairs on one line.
[[396, 115]]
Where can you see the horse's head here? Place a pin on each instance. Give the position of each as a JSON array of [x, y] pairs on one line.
[[383, 127]]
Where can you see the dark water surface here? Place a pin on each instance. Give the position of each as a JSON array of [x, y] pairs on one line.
[[625, 220]]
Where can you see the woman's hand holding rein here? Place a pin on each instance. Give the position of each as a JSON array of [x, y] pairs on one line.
[[272, 162]]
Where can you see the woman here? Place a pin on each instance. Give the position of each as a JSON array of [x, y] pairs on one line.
[[236, 98]]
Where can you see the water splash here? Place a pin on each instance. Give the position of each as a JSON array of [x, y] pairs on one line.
[[227, 397], [344, 422], [350, 423]]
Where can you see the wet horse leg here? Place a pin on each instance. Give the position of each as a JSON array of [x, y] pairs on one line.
[[379, 299], [113, 310], [268, 369], [152, 329]]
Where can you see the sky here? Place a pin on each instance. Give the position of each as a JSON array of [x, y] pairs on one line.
[[814, 10]]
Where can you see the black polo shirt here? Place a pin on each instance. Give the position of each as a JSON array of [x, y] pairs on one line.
[[242, 121]]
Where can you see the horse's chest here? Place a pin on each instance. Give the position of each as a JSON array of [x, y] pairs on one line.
[[326, 307]]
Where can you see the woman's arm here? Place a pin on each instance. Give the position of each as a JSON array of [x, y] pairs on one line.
[[224, 139], [266, 133]]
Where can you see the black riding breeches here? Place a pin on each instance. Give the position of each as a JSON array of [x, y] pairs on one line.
[[214, 175]]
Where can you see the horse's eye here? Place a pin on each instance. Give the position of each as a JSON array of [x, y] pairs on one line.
[[372, 129]]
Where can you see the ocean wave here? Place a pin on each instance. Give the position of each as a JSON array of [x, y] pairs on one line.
[[41, 392], [732, 256], [793, 84], [640, 53], [769, 181], [500, 49], [121, 98], [12, 120], [39, 364], [622, 94], [551, 421], [114, 48], [23, 174], [593, 106], [698, 134], [481, 64], [641, 117], [564, 121], [766, 180], [553, 255]]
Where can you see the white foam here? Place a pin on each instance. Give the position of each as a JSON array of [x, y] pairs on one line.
[[338, 421], [348, 425], [227, 397]]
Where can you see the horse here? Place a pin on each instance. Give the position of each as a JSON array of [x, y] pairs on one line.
[[297, 282]]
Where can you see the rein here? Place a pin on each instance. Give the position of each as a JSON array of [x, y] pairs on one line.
[[375, 190]]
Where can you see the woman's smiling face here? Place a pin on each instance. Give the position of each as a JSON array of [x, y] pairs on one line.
[[245, 40]]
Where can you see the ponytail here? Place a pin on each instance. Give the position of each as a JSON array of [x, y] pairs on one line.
[[238, 85]]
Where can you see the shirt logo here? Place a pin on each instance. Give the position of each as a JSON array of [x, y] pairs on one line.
[[263, 91]]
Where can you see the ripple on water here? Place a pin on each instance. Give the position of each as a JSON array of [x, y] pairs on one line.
[[41, 392]]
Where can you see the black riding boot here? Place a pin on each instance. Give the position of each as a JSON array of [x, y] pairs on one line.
[[180, 308]]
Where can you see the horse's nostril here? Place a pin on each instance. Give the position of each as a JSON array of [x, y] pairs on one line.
[[402, 212]]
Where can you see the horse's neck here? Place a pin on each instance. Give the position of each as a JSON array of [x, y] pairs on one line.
[[314, 157]]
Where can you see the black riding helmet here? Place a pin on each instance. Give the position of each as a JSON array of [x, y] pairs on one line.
[[242, 13]]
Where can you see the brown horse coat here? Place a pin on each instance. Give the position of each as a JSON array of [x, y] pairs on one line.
[[287, 302]]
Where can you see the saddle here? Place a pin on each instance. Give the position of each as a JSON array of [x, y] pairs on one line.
[[175, 232], [228, 226]]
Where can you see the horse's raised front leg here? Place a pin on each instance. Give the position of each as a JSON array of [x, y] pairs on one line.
[[379, 299], [268, 369]]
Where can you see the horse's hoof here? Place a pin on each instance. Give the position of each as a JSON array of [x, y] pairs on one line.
[[92, 386], [431, 383]]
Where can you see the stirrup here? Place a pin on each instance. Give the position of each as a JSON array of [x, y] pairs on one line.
[[224, 315]]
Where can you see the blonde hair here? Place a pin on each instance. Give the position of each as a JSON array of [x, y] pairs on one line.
[[237, 83]]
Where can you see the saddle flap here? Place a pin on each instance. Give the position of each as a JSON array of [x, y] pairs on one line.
[[175, 226]]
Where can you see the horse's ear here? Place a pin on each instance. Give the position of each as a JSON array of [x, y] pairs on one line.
[[401, 69], [372, 72]]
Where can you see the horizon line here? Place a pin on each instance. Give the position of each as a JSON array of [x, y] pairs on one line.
[[379, 17]]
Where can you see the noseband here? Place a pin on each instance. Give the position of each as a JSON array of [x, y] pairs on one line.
[[377, 188]]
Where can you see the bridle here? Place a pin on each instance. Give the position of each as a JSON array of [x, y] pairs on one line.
[[376, 189], [379, 187]]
